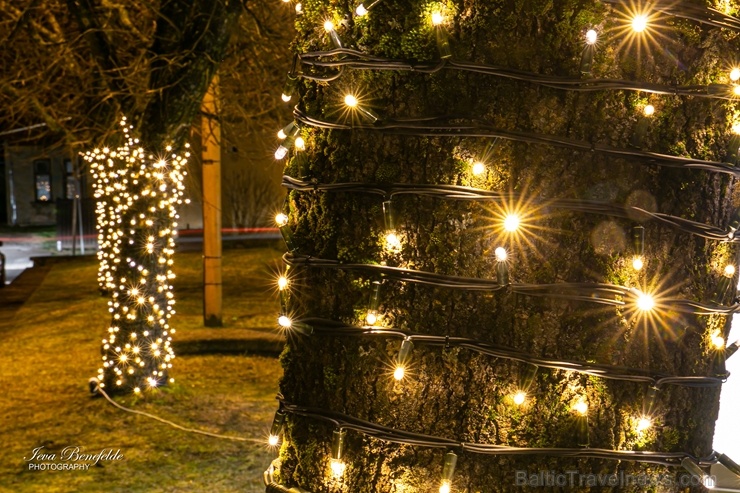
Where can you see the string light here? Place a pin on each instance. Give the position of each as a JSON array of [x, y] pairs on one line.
[[643, 424], [649, 110], [329, 28], [478, 168], [363, 9], [401, 360], [511, 223], [718, 342], [284, 321], [337, 453], [735, 74], [501, 254], [437, 18], [591, 37], [639, 23], [729, 270], [276, 428], [448, 470], [581, 407], [645, 302], [520, 397]]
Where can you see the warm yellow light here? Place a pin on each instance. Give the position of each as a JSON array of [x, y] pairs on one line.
[[581, 407], [643, 424], [718, 341], [645, 302], [445, 487], [392, 242], [637, 263], [479, 168], [437, 18], [735, 74], [501, 254], [361, 10], [736, 90], [399, 372], [285, 98], [649, 110], [350, 100], [284, 321], [300, 144], [281, 219], [591, 36], [281, 134], [371, 318], [520, 397], [337, 467], [329, 26], [639, 23], [273, 440], [729, 270], [511, 222], [282, 282]]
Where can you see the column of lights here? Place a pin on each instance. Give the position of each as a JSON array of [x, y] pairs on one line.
[[644, 301], [138, 194]]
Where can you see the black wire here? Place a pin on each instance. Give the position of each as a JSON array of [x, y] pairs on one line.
[[612, 372], [402, 437], [465, 127], [600, 293], [355, 59], [455, 192]]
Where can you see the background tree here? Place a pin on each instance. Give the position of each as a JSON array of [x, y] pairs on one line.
[[565, 168]]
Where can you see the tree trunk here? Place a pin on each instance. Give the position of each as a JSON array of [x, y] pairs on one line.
[[454, 392]]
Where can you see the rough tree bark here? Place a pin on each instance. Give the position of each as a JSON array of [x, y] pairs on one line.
[[456, 393]]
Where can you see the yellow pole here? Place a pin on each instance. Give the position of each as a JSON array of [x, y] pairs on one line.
[[211, 157]]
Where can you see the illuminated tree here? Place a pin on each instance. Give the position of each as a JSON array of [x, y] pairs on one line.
[[77, 66], [511, 239]]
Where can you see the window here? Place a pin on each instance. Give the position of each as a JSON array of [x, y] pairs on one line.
[[70, 183], [42, 180]]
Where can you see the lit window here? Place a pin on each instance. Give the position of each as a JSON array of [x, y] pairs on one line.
[[42, 180]]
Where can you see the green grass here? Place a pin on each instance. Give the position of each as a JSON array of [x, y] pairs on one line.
[[52, 347]]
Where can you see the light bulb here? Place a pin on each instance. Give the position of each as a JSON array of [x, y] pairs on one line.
[[437, 18], [299, 8], [637, 263], [649, 110], [520, 397], [337, 467], [736, 90], [511, 222], [281, 134], [281, 152], [735, 74], [399, 372], [479, 168], [718, 341], [643, 424], [645, 302], [581, 407], [639, 23], [300, 144], [729, 270], [329, 26], [350, 101], [372, 317], [281, 219], [286, 98], [361, 10], [273, 440], [445, 487], [284, 321], [282, 282], [501, 254], [591, 36], [392, 242]]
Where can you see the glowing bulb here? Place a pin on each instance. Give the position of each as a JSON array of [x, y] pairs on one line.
[[329, 26], [520, 397], [273, 440], [392, 242], [300, 144], [337, 467], [371, 318], [649, 110], [639, 23], [736, 90], [437, 18], [298, 8], [281, 152], [282, 282], [637, 263], [281, 134], [511, 222], [399, 373], [735, 74], [645, 302], [350, 101], [281, 219], [501, 254], [718, 341], [284, 321], [729, 270], [591, 36], [479, 168], [643, 424], [361, 10], [445, 487], [286, 98], [581, 407]]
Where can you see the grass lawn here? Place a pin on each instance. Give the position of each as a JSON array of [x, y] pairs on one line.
[[52, 347]]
